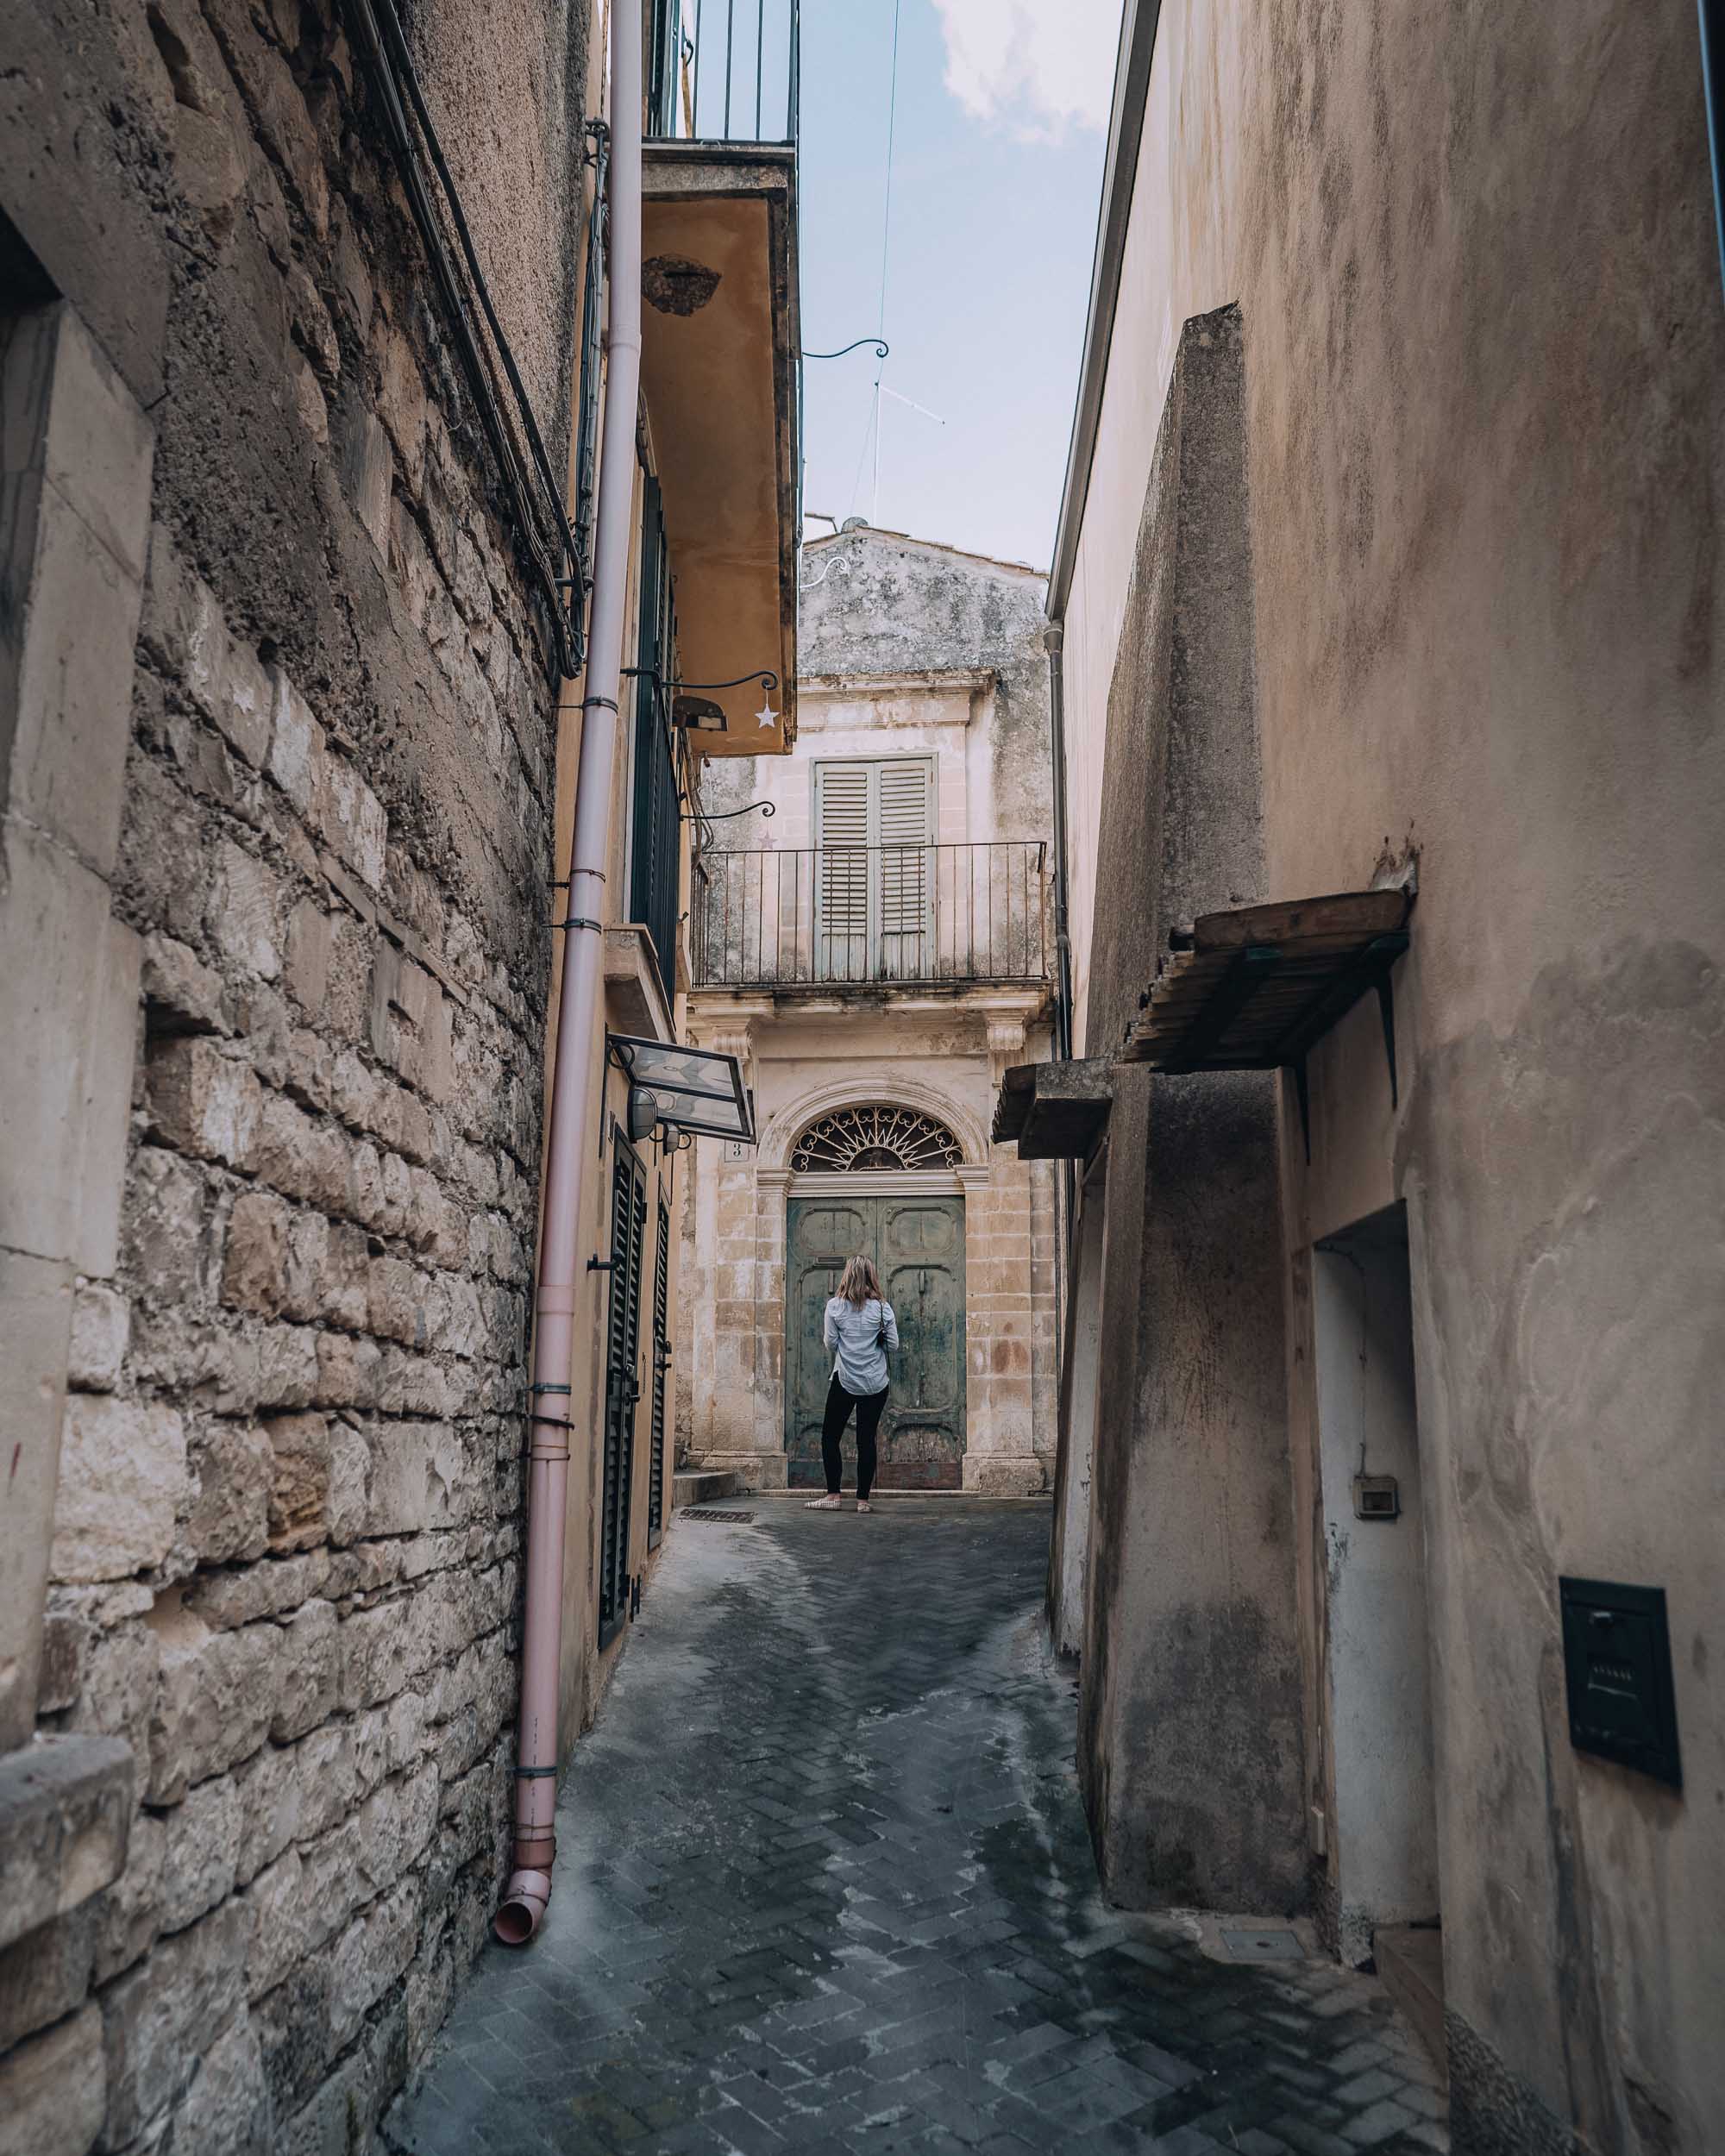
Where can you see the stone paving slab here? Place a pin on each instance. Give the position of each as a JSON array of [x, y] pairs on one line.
[[825, 1887]]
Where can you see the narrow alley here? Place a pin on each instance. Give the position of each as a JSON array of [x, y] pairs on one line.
[[823, 1884]]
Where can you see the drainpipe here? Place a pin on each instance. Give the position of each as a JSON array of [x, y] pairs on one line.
[[578, 1018], [1055, 640], [1712, 15]]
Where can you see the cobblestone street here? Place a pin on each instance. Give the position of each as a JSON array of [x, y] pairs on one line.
[[825, 1884]]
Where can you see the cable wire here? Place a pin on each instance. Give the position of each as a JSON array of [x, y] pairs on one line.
[[872, 427], [543, 526]]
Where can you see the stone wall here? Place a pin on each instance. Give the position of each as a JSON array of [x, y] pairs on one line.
[[283, 1564]]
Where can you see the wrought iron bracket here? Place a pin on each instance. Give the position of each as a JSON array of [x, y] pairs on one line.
[[880, 345], [765, 675]]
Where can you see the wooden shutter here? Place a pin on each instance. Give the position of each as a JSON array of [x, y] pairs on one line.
[[622, 1382], [843, 798], [905, 822], [875, 830], [661, 1358]]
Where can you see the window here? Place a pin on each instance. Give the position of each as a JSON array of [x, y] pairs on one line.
[[875, 868], [586, 417], [655, 852]]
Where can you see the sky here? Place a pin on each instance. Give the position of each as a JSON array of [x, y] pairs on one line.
[[998, 138]]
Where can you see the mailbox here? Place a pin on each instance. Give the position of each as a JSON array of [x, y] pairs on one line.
[[1617, 1670]]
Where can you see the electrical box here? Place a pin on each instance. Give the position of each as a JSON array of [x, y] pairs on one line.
[[1617, 1672], [1377, 1497]]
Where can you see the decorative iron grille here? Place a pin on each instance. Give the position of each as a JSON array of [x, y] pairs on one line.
[[862, 1140]]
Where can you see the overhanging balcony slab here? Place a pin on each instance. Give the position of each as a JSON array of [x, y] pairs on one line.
[[634, 1001], [1054, 1111], [719, 362]]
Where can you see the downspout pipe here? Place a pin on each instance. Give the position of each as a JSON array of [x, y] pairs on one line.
[[1712, 15], [1055, 640], [579, 1070]]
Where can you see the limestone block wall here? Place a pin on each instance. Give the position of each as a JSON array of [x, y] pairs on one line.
[[283, 1542]]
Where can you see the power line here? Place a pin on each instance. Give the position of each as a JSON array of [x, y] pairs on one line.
[[872, 428], [891, 130]]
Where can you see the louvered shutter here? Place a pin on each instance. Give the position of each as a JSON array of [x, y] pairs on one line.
[[661, 1360], [842, 801], [622, 1387], [904, 821], [875, 832]]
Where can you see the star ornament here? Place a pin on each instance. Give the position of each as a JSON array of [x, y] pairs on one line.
[[766, 716]]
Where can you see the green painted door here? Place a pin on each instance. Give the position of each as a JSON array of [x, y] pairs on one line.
[[918, 1243]]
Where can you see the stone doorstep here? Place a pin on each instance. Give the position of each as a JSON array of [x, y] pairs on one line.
[[66, 1813], [884, 1495], [698, 1486], [1410, 1963]]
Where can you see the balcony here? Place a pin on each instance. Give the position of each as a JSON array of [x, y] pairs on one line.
[[719, 359], [835, 917], [724, 71]]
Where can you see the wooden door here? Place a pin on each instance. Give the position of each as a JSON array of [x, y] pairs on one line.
[[917, 1244], [920, 1253]]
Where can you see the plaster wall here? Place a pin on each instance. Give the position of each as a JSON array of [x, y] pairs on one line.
[[1474, 258], [1189, 1737], [1080, 1405]]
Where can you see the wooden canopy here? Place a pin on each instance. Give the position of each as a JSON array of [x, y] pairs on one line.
[[1256, 988]]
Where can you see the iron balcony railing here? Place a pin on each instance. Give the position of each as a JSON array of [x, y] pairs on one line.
[[724, 71], [913, 915]]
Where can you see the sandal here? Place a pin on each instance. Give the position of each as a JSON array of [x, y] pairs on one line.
[[822, 1504]]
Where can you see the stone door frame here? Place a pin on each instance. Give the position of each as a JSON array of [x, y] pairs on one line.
[[877, 1182], [746, 1402]]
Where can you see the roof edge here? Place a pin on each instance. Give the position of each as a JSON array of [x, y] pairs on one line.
[[1139, 27], [934, 546]]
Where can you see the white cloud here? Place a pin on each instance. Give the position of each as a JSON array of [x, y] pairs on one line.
[[1037, 66]]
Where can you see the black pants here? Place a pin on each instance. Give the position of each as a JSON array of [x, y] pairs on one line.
[[869, 1407]]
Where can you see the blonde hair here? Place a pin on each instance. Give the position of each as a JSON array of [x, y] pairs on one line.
[[859, 1282]]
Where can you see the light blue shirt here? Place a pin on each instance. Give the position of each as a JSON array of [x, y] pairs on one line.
[[853, 1331]]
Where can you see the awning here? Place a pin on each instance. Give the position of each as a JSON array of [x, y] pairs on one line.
[[684, 1088], [719, 334], [1256, 988], [1055, 1110], [1253, 989]]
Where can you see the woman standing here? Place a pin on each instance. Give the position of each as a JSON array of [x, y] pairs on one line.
[[859, 1327]]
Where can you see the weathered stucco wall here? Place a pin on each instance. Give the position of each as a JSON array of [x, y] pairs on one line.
[[284, 1544], [908, 650], [879, 603], [1189, 1727], [1474, 258]]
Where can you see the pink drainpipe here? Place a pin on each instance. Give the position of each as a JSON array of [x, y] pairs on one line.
[[580, 1066]]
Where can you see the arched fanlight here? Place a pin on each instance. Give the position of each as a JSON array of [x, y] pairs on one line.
[[866, 1139]]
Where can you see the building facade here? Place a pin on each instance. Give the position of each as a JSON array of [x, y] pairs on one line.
[[1389, 595], [290, 697], [871, 939]]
